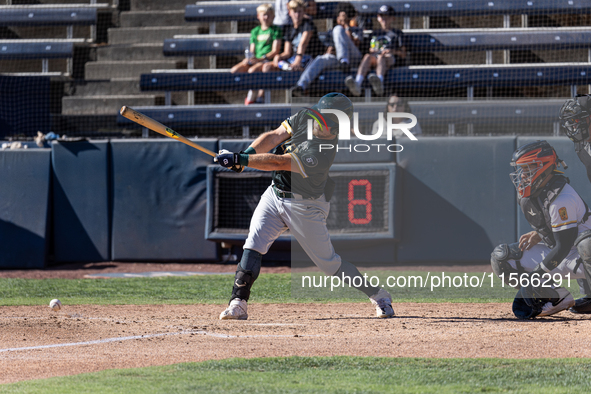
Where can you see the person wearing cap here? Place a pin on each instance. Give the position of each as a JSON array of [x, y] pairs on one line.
[[298, 199], [386, 50]]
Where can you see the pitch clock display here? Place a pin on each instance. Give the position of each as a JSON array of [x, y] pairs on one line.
[[361, 204]]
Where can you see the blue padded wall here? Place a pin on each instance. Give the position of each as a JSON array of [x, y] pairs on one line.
[[235, 145], [159, 200], [458, 202], [576, 173], [81, 201], [25, 176]]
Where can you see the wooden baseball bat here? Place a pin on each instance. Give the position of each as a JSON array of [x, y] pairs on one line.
[[158, 127]]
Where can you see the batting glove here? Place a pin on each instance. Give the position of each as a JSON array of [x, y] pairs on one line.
[[234, 161], [227, 159]]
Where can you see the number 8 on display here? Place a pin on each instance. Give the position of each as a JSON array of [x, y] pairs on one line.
[[353, 202]]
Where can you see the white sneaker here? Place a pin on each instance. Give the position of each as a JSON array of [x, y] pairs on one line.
[[235, 311], [376, 84], [565, 301], [352, 85], [383, 303]]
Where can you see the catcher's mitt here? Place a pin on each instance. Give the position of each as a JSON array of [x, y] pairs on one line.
[[529, 301]]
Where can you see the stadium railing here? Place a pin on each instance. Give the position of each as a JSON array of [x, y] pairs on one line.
[[40, 49], [427, 112], [68, 15], [212, 11]]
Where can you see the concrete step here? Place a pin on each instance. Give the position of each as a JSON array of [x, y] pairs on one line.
[[106, 105], [108, 88], [139, 35], [131, 52], [124, 69], [147, 5], [152, 18]]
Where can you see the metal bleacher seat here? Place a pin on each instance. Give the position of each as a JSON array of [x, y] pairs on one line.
[[410, 78], [427, 112], [40, 49], [52, 15], [212, 11], [418, 41]]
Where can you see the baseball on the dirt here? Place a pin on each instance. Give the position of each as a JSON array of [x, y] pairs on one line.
[[55, 304]]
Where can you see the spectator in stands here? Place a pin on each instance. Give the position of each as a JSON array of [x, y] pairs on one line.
[[397, 104], [265, 43], [342, 51], [300, 42], [386, 50], [282, 18]]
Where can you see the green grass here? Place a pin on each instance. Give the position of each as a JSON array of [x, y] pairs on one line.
[[331, 375], [215, 289], [210, 289]]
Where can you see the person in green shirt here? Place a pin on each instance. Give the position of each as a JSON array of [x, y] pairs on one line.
[[265, 43]]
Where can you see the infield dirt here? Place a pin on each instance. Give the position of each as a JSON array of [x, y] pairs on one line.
[[196, 334], [168, 334]]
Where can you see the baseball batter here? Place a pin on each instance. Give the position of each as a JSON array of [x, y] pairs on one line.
[[574, 117], [559, 217], [298, 200]]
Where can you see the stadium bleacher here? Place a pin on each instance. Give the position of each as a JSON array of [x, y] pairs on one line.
[[246, 10], [52, 15], [40, 49], [429, 112], [417, 41], [417, 78], [477, 51]]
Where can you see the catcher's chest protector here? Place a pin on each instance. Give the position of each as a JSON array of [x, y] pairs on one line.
[[536, 209]]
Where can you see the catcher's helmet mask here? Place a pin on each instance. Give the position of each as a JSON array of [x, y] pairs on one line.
[[534, 163], [334, 101], [575, 119]]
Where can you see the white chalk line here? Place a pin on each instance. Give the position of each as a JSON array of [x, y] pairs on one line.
[[119, 339]]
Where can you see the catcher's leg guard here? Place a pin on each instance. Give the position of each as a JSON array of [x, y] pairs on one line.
[[499, 260], [246, 273], [583, 244]]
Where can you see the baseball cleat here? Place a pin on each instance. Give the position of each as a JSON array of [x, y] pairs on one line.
[[376, 84], [582, 306], [565, 302], [383, 303], [235, 311], [352, 85]]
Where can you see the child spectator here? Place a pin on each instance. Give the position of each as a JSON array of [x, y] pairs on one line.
[[300, 41], [386, 50], [342, 52], [265, 42], [282, 18]]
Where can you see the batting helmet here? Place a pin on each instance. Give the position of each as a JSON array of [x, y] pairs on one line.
[[334, 101], [575, 120], [534, 163]]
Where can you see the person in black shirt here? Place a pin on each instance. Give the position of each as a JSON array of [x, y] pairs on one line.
[[301, 41], [386, 50]]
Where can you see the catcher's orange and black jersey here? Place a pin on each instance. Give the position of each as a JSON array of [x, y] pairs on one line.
[[307, 157]]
